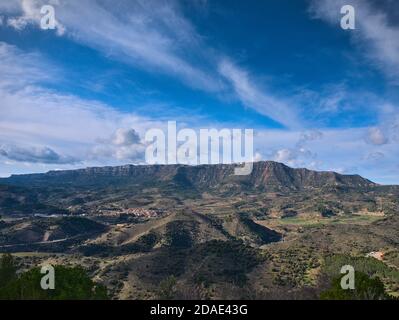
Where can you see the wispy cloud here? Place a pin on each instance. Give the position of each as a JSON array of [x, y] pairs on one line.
[[29, 14], [38, 125], [46, 130], [20, 70], [375, 32], [260, 100], [147, 34], [156, 36]]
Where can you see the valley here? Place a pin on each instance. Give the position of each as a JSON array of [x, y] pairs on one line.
[[180, 232]]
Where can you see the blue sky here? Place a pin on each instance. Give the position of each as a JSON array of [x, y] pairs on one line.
[[84, 94]]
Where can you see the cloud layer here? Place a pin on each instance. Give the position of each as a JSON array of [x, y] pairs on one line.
[[155, 36], [38, 125], [42, 128]]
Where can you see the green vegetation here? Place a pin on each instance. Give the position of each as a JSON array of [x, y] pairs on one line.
[[71, 283], [392, 257], [167, 288], [319, 221], [179, 234], [207, 240], [369, 266], [7, 270], [366, 288], [77, 225], [325, 211], [223, 261], [291, 267]]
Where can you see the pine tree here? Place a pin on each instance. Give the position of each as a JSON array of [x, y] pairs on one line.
[[7, 269]]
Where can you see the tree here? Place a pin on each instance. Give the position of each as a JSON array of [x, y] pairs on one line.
[[366, 288], [70, 284], [325, 211], [7, 269], [167, 288]]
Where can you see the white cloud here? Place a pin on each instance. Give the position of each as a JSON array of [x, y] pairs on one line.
[[285, 156], [34, 154], [126, 137], [157, 37], [29, 14], [296, 157], [34, 118], [41, 126], [147, 34], [343, 150], [376, 136], [124, 144], [20, 70]]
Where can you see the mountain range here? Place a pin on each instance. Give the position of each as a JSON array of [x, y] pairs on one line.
[[266, 175]]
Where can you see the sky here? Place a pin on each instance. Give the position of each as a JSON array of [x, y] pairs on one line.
[[85, 93]]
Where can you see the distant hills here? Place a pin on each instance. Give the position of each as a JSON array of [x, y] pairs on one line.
[[274, 187], [266, 175]]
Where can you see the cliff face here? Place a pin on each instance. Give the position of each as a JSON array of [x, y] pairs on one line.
[[265, 175], [269, 175]]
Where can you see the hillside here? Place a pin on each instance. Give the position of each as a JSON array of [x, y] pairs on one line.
[[200, 228]]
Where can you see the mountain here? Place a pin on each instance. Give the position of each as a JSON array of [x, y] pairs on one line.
[[266, 175], [274, 188]]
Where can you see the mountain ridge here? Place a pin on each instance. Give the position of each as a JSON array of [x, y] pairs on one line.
[[265, 174]]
